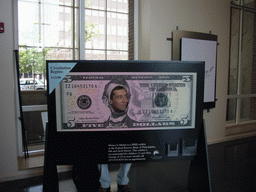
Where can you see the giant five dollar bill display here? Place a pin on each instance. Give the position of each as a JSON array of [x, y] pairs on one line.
[[155, 101]]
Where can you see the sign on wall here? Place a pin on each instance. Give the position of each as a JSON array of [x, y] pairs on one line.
[[202, 50], [195, 46]]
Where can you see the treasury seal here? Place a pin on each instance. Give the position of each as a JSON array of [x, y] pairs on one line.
[[161, 100], [84, 102]]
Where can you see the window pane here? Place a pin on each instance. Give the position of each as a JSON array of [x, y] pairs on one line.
[[117, 6], [248, 109], [231, 110], [32, 68], [28, 20], [237, 2], [60, 54], [234, 48], [112, 5], [76, 54], [49, 24], [245, 3], [117, 32], [249, 3], [94, 29], [95, 55], [248, 81], [62, 28], [96, 4], [66, 2], [117, 55], [110, 34]]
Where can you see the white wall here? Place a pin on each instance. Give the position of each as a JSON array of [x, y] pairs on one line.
[[8, 117], [158, 18], [157, 21], [8, 160]]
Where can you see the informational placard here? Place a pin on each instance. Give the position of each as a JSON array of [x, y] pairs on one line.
[[157, 101], [196, 46], [57, 71], [202, 50]]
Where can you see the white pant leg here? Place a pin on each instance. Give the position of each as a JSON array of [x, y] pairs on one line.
[[104, 175], [122, 176]]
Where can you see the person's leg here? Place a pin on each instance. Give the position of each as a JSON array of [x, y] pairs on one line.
[[122, 176], [104, 176]]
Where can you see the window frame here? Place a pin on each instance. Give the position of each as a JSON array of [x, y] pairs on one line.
[[81, 54], [239, 126]]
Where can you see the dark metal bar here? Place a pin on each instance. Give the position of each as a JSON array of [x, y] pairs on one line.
[[24, 135]]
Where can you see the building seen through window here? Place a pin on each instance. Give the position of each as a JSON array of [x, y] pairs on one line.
[[52, 30]]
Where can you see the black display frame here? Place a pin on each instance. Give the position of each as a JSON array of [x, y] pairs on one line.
[[74, 147]]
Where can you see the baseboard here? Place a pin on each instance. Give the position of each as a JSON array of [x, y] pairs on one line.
[[232, 138]]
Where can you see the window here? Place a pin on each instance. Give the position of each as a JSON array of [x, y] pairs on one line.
[[52, 30], [241, 103]]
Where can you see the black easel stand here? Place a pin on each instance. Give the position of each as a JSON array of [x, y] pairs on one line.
[[198, 176], [85, 173], [86, 177], [51, 181]]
